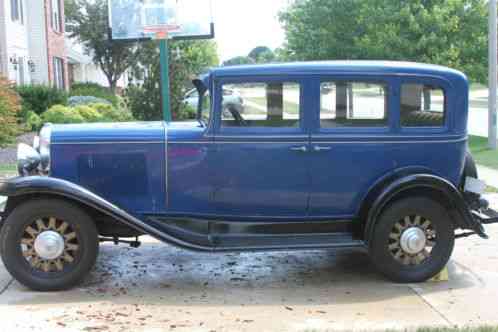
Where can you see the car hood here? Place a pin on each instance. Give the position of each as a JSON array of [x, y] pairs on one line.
[[133, 132]]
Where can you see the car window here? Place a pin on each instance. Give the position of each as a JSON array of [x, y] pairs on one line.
[[206, 107], [353, 104], [261, 105], [422, 106]]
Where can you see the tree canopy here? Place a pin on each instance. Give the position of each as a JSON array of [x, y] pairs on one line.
[[87, 21], [451, 33]]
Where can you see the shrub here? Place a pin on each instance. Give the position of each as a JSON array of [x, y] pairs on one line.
[[89, 114], [85, 100], [186, 112], [39, 98], [10, 108], [33, 121], [111, 114], [94, 90], [62, 114]]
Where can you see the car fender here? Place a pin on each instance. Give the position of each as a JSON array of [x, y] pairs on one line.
[[386, 191], [43, 185]]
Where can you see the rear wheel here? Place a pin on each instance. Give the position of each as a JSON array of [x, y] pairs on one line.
[[49, 244], [413, 240]]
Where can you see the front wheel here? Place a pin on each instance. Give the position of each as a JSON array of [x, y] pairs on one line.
[[413, 240], [49, 244]]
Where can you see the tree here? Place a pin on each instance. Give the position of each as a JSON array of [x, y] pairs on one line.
[[87, 21], [193, 58], [451, 33], [262, 54], [238, 60]]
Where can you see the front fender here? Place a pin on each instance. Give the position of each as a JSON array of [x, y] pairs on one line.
[[42, 185], [449, 193]]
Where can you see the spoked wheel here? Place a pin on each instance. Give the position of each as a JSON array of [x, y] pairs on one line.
[[413, 240], [49, 245]]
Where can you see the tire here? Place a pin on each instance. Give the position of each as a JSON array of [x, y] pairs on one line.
[[76, 230], [392, 223]]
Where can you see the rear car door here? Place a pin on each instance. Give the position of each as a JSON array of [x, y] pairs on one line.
[[261, 159]]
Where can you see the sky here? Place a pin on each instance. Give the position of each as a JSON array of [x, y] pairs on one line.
[[242, 25]]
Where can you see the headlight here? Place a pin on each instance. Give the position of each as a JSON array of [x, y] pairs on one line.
[[28, 159], [44, 142]]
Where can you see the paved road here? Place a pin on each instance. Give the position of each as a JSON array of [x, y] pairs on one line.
[[157, 288]]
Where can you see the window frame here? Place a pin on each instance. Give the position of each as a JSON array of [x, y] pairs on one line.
[[17, 11], [59, 82], [449, 98], [55, 15], [368, 79], [301, 129]]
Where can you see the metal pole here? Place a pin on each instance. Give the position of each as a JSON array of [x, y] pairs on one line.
[[493, 74], [164, 56]]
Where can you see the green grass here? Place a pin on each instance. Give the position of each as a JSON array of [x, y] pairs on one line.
[[481, 153], [8, 168]]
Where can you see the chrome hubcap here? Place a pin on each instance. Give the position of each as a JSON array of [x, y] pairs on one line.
[[49, 245], [413, 240]]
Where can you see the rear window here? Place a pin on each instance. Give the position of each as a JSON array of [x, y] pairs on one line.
[[422, 106]]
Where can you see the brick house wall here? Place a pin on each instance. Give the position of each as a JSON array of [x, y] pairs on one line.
[[56, 42]]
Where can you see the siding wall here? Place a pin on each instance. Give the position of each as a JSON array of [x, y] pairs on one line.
[[37, 41], [16, 37]]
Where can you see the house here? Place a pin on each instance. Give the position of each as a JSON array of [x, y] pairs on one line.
[[34, 48]]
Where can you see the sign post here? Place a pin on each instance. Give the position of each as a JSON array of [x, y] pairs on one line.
[[493, 74], [164, 55]]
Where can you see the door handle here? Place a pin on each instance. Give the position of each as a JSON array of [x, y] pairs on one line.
[[321, 148], [300, 149]]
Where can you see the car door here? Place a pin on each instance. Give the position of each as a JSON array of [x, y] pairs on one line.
[[261, 161], [348, 144]]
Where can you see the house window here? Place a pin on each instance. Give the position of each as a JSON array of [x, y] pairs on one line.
[[56, 15], [58, 72], [17, 11], [353, 104]]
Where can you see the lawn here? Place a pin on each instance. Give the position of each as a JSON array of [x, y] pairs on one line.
[[481, 153]]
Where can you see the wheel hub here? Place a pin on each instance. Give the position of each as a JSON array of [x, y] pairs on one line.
[[413, 240], [49, 245]]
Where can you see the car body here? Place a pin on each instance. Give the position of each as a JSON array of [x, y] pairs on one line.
[[326, 155]]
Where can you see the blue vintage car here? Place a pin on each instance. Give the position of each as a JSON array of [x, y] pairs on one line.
[[324, 155]]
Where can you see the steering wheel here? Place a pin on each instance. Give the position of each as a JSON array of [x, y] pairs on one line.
[[236, 115]]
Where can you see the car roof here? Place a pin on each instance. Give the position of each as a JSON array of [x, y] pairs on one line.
[[341, 67]]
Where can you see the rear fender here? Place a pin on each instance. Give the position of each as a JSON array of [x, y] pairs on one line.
[[388, 191]]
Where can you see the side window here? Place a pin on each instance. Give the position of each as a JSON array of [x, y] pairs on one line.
[[353, 104], [206, 107], [261, 105], [422, 106]]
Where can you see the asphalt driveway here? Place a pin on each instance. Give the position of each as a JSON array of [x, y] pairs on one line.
[[158, 288]]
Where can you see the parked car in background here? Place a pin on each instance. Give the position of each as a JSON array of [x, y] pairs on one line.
[[231, 99], [325, 155]]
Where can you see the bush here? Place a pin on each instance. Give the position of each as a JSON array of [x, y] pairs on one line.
[[89, 114], [10, 108], [111, 114], [85, 100], [33, 121], [39, 98], [186, 112], [62, 115], [94, 90]]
